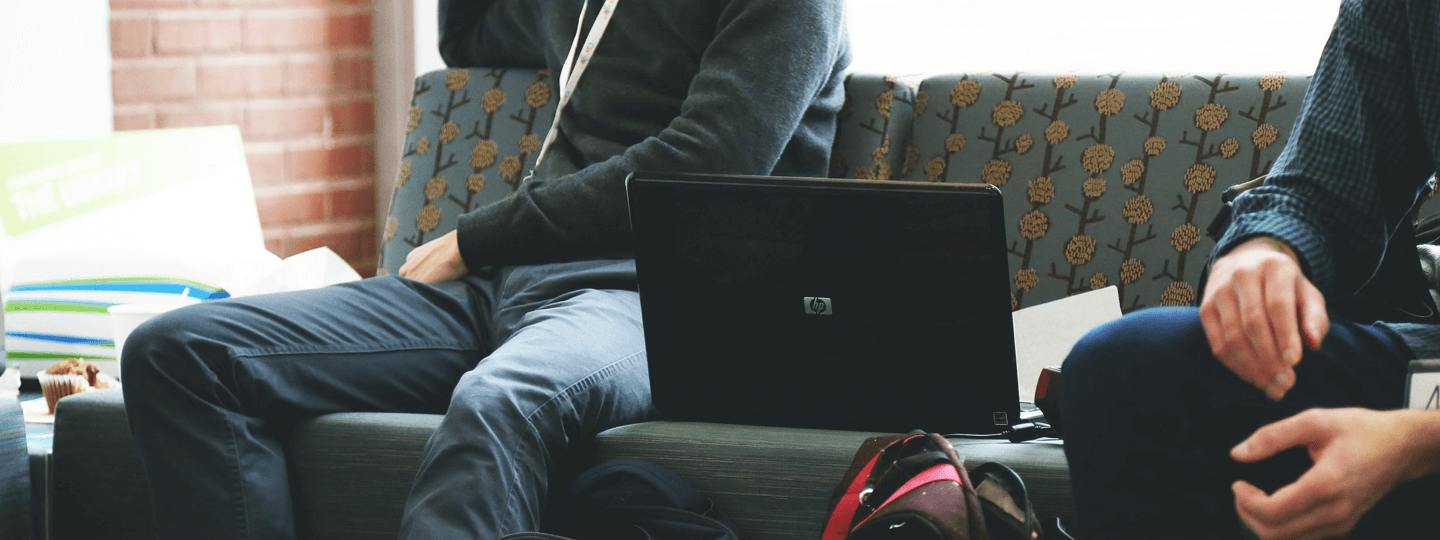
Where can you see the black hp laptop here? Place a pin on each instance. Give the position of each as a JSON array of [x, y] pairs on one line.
[[836, 304]]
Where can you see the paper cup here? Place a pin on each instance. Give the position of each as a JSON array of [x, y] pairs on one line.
[[124, 318]]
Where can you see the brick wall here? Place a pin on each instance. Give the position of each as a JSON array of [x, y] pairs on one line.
[[295, 75]]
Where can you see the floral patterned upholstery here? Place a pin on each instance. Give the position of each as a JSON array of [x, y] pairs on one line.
[[1109, 179], [471, 138], [872, 140]]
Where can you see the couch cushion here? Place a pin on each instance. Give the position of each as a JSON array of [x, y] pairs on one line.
[[1108, 179], [872, 137], [471, 138], [353, 470], [14, 471], [97, 488]]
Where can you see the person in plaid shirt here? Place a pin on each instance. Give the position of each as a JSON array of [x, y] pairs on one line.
[[1259, 409]]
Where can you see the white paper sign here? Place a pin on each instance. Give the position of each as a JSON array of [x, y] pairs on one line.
[[1423, 388], [1044, 334]]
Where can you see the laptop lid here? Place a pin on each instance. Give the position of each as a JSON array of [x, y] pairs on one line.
[[837, 304]]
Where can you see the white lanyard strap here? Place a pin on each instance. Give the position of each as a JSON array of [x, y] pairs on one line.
[[570, 74]]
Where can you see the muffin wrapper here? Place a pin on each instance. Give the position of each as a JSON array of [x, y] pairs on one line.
[[58, 386]]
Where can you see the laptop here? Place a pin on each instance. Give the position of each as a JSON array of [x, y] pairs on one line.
[[833, 304]]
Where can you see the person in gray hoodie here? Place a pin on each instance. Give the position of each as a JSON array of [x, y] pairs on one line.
[[522, 326]]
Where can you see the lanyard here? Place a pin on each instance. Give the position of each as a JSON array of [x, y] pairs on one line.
[[570, 74]]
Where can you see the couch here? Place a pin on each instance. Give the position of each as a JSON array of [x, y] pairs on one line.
[[1108, 179]]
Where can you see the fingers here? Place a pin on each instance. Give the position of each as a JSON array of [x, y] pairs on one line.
[[1274, 437], [1316, 505], [1285, 517], [1260, 313], [1267, 308], [1315, 321], [435, 261], [1239, 329]]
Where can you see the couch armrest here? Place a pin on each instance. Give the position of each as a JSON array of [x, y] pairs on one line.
[[14, 472], [97, 487]]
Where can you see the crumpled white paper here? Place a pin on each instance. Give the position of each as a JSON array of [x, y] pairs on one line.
[[67, 293], [10, 383], [312, 269]]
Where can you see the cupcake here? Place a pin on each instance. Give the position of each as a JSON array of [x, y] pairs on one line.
[[69, 376]]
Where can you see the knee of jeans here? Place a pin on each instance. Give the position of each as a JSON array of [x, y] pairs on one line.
[[162, 339], [484, 399], [1130, 354]]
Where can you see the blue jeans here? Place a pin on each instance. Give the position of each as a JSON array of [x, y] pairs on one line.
[[526, 364], [1151, 415]]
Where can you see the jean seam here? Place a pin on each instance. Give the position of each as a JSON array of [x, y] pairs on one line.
[[606, 372], [359, 348], [236, 477]]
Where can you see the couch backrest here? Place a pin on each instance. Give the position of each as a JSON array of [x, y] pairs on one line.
[[1109, 179], [471, 138]]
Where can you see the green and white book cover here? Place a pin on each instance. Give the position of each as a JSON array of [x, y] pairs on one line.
[[88, 223]]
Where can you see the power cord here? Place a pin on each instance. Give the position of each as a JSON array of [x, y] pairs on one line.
[[1027, 431]]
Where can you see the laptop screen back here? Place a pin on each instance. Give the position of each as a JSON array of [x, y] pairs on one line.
[[876, 306]]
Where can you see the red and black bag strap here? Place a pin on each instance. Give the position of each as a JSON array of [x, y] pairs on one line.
[[846, 509]]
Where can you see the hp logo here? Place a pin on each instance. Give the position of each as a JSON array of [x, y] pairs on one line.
[[816, 305]]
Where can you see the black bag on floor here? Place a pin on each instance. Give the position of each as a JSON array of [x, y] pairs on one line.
[[632, 499]]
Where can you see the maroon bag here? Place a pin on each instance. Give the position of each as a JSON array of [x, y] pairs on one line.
[[910, 486], [915, 487]]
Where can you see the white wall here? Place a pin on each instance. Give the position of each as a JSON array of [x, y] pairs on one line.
[[905, 37], [55, 69], [427, 37]]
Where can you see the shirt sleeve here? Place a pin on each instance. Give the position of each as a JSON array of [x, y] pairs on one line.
[[756, 82], [489, 33], [1358, 155]]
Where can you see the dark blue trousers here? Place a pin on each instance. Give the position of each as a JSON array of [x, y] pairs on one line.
[[527, 364], [1151, 416]]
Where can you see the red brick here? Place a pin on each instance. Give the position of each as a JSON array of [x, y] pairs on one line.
[[345, 244], [353, 118], [352, 203], [354, 74], [307, 76], [284, 31], [290, 208], [116, 5], [343, 161], [130, 37], [224, 79], [369, 244], [197, 115], [180, 36], [221, 80], [267, 167], [366, 269], [225, 35], [268, 3], [348, 30], [137, 81], [269, 122], [275, 244], [137, 119]]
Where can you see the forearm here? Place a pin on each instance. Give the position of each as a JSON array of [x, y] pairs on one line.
[[1356, 158]]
